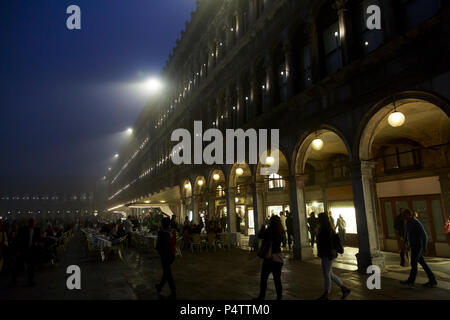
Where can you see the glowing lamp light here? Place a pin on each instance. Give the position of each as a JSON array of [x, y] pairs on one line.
[[216, 176], [129, 130], [317, 144], [236, 200], [270, 160], [200, 182], [153, 84], [187, 186], [116, 155], [396, 119], [239, 171], [163, 201]]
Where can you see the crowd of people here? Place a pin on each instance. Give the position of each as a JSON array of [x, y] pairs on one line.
[[27, 244]]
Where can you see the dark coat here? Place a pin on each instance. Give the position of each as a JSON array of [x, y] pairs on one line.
[[268, 235], [163, 247], [325, 246]]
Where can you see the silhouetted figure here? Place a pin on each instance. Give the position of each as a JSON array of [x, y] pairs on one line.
[[312, 225], [289, 228], [399, 227], [327, 253], [166, 247], [416, 238], [273, 261]]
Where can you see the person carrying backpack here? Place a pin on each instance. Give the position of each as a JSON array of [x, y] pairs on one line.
[[166, 249], [327, 250]]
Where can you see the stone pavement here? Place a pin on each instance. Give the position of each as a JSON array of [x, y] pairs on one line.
[[221, 275]]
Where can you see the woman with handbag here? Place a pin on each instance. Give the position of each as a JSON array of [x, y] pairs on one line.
[[327, 251], [271, 253]]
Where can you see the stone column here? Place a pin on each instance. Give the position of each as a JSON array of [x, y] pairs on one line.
[[302, 247], [231, 209], [195, 209], [212, 204], [364, 200], [258, 205], [345, 31]]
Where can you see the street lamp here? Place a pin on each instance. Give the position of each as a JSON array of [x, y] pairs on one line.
[[130, 131], [153, 84]]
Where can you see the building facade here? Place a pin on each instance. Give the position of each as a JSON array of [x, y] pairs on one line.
[[313, 70]]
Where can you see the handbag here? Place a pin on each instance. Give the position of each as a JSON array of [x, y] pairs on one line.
[[265, 252], [337, 244]]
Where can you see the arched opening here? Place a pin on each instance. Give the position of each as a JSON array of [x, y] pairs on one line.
[[410, 157], [241, 187], [200, 193], [273, 189], [322, 161], [217, 198], [187, 209]]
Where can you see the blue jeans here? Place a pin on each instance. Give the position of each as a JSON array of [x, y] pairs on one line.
[[417, 257], [328, 275]]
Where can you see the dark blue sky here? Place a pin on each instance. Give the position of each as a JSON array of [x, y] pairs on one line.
[[62, 97]]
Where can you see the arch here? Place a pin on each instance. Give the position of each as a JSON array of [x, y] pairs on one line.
[[302, 149], [380, 111]]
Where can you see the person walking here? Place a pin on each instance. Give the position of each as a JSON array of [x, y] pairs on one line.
[[289, 228], [327, 253], [273, 259], [416, 238], [312, 225], [166, 248], [341, 224], [399, 227]]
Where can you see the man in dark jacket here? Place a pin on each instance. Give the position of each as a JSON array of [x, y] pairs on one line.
[[290, 228], [166, 249], [312, 225], [417, 239]]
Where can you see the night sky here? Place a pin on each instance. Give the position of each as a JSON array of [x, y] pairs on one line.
[[66, 95]]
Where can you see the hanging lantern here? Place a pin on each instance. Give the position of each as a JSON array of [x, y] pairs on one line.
[[317, 144], [239, 171], [200, 182], [216, 177], [396, 119], [270, 160], [187, 186]]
